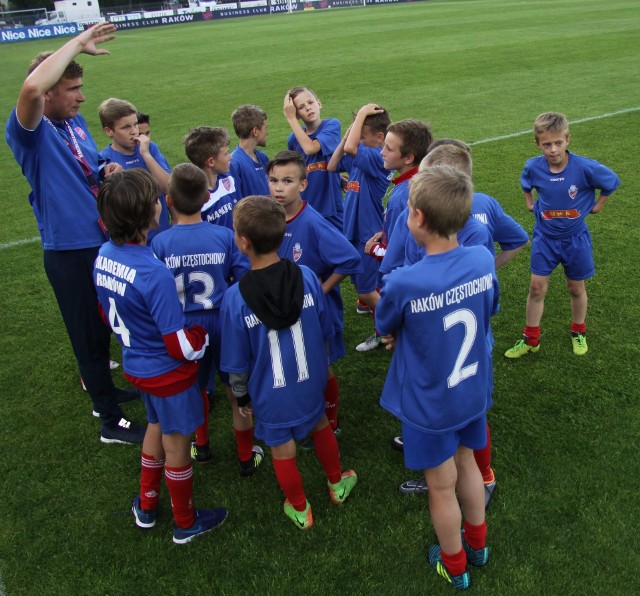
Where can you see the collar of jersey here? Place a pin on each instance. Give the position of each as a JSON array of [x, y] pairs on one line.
[[404, 177]]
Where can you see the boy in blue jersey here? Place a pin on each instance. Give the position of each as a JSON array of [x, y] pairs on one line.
[[208, 148], [274, 331], [160, 354], [405, 144], [248, 162], [315, 141], [359, 154], [310, 240], [130, 149], [565, 184], [436, 314], [203, 259]]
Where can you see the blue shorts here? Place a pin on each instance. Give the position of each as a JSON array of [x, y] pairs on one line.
[[574, 252], [279, 436], [367, 281], [423, 451], [210, 362], [181, 413]]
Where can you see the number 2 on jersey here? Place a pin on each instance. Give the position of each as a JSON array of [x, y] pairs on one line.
[[468, 319]]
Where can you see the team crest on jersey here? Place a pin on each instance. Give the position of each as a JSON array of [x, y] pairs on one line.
[[80, 133], [297, 251], [226, 183], [573, 191]]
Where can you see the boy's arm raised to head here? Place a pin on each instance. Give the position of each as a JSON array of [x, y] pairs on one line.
[[30, 106], [355, 132], [155, 169], [338, 154], [309, 146]]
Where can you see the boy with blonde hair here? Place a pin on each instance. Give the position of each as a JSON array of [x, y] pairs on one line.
[[565, 184], [208, 148], [436, 313], [130, 149], [274, 331], [248, 162]]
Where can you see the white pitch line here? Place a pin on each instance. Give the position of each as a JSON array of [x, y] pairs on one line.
[[529, 131], [491, 140]]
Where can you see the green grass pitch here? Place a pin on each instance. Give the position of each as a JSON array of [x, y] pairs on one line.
[[564, 519]]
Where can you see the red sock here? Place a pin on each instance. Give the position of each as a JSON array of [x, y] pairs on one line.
[[327, 453], [180, 484], [150, 478], [244, 439], [483, 459], [456, 564], [331, 401], [290, 482], [475, 536], [202, 432], [580, 328], [532, 335]]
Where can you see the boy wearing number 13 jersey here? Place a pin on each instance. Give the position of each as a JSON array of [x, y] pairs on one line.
[[274, 328]]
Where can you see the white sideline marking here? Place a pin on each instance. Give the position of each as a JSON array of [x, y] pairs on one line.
[[529, 131], [491, 140]]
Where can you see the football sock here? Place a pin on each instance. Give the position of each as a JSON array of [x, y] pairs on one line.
[[150, 478], [331, 401], [180, 484], [290, 481], [580, 328], [202, 432], [327, 453], [362, 304], [483, 459], [475, 536], [532, 335], [456, 563], [244, 439]]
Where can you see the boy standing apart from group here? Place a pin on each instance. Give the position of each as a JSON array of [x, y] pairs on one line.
[[436, 314], [208, 148], [131, 149], [248, 162], [312, 241], [274, 330], [315, 141], [160, 354], [203, 259], [565, 184]]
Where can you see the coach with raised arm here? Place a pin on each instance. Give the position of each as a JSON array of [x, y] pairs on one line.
[[59, 158]]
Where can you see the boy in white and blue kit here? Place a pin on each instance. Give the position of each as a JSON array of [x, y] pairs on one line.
[[566, 185], [274, 330], [204, 260], [160, 353], [436, 314]]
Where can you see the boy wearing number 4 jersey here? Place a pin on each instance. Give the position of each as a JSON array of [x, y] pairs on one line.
[[436, 314], [274, 330], [160, 354], [203, 259]]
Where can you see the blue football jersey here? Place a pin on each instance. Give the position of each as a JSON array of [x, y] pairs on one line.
[[503, 229], [222, 199], [250, 176]]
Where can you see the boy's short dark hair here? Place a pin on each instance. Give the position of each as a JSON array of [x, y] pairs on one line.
[[550, 121], [204, 142], [144, 118], [72, 71], [284, 158], [448, 154], [188, 188], [415, 138], [447, 141], [247, 117], [127, 204], [377, 122], [112, 109], [262, 221], [444, 195]]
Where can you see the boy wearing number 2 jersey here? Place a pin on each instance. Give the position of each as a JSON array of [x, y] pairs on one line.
[[274, 328], [160, 354], [203, 260]]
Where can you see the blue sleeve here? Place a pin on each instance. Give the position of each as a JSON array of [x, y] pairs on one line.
[[338, 253], [161, 159], [346, 163], [525, 178], [508, 233], [395, 255], [236, 355], [602, 177], [389, 314], [329, 136], [369, 160]]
